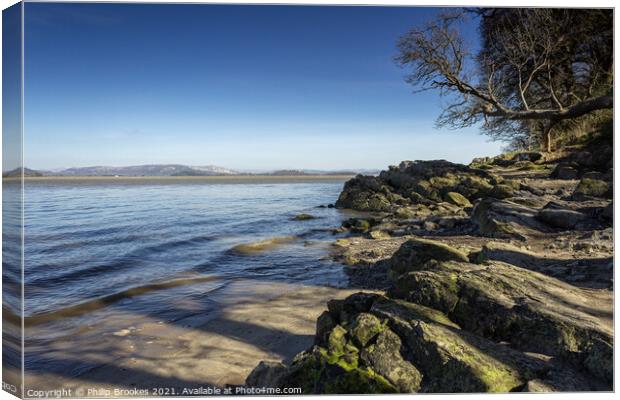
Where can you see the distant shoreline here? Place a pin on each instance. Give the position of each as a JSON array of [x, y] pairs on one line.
[[176, 179]]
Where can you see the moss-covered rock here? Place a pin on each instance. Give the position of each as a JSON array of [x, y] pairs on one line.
[[405, 213], [384, 356], [450, 359], [457, 199], [423, 287], [415, 182], [379, 234], [409, 347], [592, 188], [359, 225], [319, 371], [364, 328], [415, 253], [303, 217], [365, 193], [531, 311], [337, 340]]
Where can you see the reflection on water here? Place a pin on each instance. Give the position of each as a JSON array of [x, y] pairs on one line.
[[101, 250], [11, 281]]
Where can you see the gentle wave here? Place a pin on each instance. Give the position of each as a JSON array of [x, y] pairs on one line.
[[95, 304], [89, 242], [263, 245]]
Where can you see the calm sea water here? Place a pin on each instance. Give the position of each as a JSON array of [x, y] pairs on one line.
[[96, 248]]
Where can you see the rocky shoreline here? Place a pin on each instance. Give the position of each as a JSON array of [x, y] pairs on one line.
[[491, 277]]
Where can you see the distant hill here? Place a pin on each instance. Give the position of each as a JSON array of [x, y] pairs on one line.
[[17, 172], [147, 170], [175, 170], [289, 172]]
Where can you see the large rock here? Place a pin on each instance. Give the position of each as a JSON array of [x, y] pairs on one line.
[[384, 357], [565, 171], [359, 355], [531, 311], [415, 253], [417, 182], [608, 211], [594, 272], [267, 374], [383, 345], [458, 199], [450, 359], [506, 219], [592, 188], [416, 349], [532, 156], [365, 193], [565, 219]]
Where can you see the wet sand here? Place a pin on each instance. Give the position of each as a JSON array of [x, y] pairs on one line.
[[255, 321]]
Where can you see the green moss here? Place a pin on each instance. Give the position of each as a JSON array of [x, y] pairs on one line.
[[337, 340], [303, 217], [444, 183], [423, 187], [475, 185], [472, 370], [358, 224], [512, 183], [458, 199], [359, 381], [405, 213], [592, 187], [327, 372], [378, 203], [365, 328]]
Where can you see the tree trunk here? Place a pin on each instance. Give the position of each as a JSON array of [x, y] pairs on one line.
[[548, 137]]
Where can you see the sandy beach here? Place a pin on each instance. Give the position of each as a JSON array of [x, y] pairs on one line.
[[197, 352]]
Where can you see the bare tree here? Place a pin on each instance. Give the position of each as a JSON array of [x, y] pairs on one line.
[[531, 71]]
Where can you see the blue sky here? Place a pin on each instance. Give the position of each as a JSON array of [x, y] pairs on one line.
[[245, 87]]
